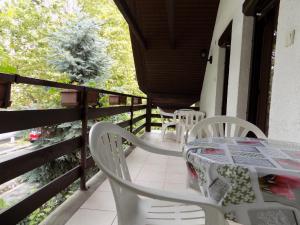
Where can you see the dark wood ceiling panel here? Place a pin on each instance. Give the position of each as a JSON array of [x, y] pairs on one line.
[[165, 69]]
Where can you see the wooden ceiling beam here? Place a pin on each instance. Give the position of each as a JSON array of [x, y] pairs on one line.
[[132, 23], [170, 6]]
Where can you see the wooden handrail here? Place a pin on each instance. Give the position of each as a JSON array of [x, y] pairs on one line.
[[18, 79], [27, 119]]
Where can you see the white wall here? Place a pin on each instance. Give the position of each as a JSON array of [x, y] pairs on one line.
[[285, 98], [211, 96]]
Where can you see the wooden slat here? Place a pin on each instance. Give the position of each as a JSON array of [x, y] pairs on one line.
[[138, 118], [139, 107], [21, 164], [170, 6], [156, 116], [110, 111], [139, 128], [156, 124], [116, 93], [19, 211], [46, 83], [26, 119], [7, 78], [159, 116], [14, 78], [125, 123], [132, 23], [107, 111], [175, 108], [160, 124]]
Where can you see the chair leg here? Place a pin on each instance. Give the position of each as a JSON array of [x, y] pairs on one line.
[[212, 217], [182, 138], [178, 132], [163, 131]]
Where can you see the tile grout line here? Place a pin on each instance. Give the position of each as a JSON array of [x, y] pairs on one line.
[[102, 210]]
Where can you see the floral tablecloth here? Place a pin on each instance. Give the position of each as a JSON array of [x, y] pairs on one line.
[[247, 172]]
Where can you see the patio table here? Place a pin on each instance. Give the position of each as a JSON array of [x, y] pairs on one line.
[[256, 181]]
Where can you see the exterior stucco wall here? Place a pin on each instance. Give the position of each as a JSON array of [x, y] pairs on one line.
[[211, 96], [285, 96], [285, 99]]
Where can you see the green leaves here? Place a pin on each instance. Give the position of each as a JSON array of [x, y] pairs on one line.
[[78, 50]]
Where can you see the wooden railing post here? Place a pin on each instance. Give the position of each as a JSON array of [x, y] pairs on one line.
[[131, 114], [84, 122], [148, 115]]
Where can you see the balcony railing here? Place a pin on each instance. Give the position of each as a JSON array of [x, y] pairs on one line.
[[28, 119]]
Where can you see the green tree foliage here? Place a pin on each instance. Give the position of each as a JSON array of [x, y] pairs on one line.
[[79, 51], [115, 29], [24, 30]]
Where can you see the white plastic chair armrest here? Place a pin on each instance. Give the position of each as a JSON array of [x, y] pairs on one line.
[[112, 128], [170, 124], [164, 195], [164, 113], [168, 114], [150, 148]]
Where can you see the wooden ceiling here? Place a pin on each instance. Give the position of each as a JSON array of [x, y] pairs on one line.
[[168, 39]]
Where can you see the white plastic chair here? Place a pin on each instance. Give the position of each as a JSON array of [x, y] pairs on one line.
[[160, 207], [224, 126], [186, 121], [166, 121]]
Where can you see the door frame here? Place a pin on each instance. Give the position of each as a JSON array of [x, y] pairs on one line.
[[264, 40], [225, 42]]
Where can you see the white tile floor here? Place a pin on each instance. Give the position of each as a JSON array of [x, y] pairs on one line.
[[155, 171]]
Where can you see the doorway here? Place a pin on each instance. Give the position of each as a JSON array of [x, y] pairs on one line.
[[263, 56], [225, 42]]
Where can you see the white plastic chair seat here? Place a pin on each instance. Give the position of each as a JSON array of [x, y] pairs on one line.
[[156, 212]]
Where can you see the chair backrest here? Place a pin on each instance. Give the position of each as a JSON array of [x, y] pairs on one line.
[[224, 126], [107, 151], [189, 117]]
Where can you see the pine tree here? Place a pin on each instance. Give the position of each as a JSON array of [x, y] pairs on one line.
[[78, 50]]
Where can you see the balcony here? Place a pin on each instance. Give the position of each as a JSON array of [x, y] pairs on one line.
[[203, 50], [93, 203]]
